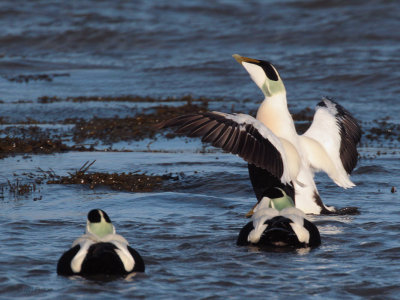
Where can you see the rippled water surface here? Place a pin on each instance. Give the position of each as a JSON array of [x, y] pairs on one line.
[[186, 235]]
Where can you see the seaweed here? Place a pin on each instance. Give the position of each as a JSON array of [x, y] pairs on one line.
[[131, 182], [139, 127]]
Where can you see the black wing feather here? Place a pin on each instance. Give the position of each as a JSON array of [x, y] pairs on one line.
[[223, 138], [214, 134], [242, 139], [201, 130], [194, 125], [232, 141]]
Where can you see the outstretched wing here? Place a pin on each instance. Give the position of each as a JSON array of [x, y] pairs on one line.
[[238, 134], [338, 132]]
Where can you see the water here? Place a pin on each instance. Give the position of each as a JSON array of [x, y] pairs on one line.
[[348, 51]]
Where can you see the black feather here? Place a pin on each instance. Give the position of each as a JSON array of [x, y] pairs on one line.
[[223, 132]]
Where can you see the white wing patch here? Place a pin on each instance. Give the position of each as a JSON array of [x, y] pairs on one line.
[[125, 257], [297, 216], [302, 234], [76, 263], [321, 143], [122, 244]]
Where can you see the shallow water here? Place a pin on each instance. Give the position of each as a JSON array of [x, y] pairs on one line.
[[187, 235]]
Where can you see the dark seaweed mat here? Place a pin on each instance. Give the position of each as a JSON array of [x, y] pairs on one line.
[[139, 127], [18, 145], [131, 182], [11, 146]]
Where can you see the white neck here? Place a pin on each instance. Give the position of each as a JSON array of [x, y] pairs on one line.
[[274, 114]]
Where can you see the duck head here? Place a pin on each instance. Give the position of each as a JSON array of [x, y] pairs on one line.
[[264, 74], [99, 223]]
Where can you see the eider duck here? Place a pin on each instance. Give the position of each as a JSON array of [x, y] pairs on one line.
[[277, 224], [276, 154], [100, 251]]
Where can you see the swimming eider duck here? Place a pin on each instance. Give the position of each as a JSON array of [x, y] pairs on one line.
[[277, 155], [100, 251], [277, 224]]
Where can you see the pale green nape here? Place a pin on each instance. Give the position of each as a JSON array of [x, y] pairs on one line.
[[282, 202], [101, 229], [272, 87]]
